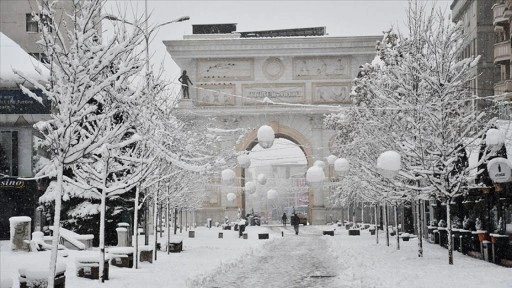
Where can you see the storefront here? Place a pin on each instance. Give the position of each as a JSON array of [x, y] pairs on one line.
[[18, 152]]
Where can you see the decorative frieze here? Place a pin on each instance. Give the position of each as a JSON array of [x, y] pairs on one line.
[[334, 92], [281, 92], [321, 67], [222, 69], [216, 95], [273, 68]]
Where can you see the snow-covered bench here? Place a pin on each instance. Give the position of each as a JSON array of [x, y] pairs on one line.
[[74, 241]]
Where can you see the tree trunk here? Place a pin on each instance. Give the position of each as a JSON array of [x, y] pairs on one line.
[[168, 222], [102, 234], [420, 230], [56, 225], [376, 222], [449, 230], [396, 225], [181, 220], [155, 217], [175, 220], [136, 229], [386, 228]]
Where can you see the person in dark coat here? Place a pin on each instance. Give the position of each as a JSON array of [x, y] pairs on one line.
[[294, 220], [184, 80], [284, 218]]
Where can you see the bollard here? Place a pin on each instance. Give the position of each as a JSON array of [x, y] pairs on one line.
[[282, 233]]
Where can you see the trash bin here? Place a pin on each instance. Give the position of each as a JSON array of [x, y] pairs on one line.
[[191, 234], [122, 237], [241, 229]]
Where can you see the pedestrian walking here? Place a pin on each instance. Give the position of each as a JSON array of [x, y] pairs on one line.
[[294, 220], [284, 218], [184, 80]]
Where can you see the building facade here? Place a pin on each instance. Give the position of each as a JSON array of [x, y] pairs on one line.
[[477, 20]]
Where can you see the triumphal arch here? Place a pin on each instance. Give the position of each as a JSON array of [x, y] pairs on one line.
[[287, 79]]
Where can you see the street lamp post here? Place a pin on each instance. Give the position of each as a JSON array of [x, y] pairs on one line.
[[388, 165], [147, 35]]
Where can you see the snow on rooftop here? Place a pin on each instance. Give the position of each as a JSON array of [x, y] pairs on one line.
[[13, 57]]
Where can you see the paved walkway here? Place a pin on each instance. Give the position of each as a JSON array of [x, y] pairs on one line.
[[297, 261]]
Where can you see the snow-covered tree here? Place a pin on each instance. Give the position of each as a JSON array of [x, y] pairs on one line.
[[85, 74], [416, 100]]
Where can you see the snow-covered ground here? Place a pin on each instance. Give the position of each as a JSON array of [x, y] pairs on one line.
[[357, 261]]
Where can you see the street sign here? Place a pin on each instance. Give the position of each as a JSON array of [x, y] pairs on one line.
[[499, 170]]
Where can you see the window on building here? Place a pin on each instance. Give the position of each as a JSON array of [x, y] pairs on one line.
[[32, 25], [40, 56], [9, 153]]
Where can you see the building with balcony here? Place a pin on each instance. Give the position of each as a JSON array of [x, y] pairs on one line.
[[502, 15], [477, 19]]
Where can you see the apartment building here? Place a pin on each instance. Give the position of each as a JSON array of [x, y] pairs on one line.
[[477, 19]]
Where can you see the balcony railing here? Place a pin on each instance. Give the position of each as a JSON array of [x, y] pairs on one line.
[[501, 13], [502, 52], [503, 87]]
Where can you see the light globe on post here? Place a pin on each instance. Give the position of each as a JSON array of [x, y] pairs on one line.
[[250, 187], [315, 175], [266, 136], [271, 194], [341, 166], [389, 164], [244, 161], [228, 177], [494, 140], [262, 179], [231, 197]]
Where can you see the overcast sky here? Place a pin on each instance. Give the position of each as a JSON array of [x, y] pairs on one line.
[[340, 17]]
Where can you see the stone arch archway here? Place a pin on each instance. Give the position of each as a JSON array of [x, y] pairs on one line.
[[281, 131]]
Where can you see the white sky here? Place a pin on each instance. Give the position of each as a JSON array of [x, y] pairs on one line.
[[340, 17]]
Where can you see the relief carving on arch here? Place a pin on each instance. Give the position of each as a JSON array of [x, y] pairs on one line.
[[322, 67], [224, 69], [216, 95], [331, 93]]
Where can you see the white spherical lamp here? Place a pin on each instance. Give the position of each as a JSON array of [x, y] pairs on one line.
[[341, 165], [244, 161], [266, 136], [228, 177], [262, 179], [250, 187], [389, 164], [231, 197], [271, 194]]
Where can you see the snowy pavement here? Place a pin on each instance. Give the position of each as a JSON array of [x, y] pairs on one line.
[[294, 261], [307, 260]]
